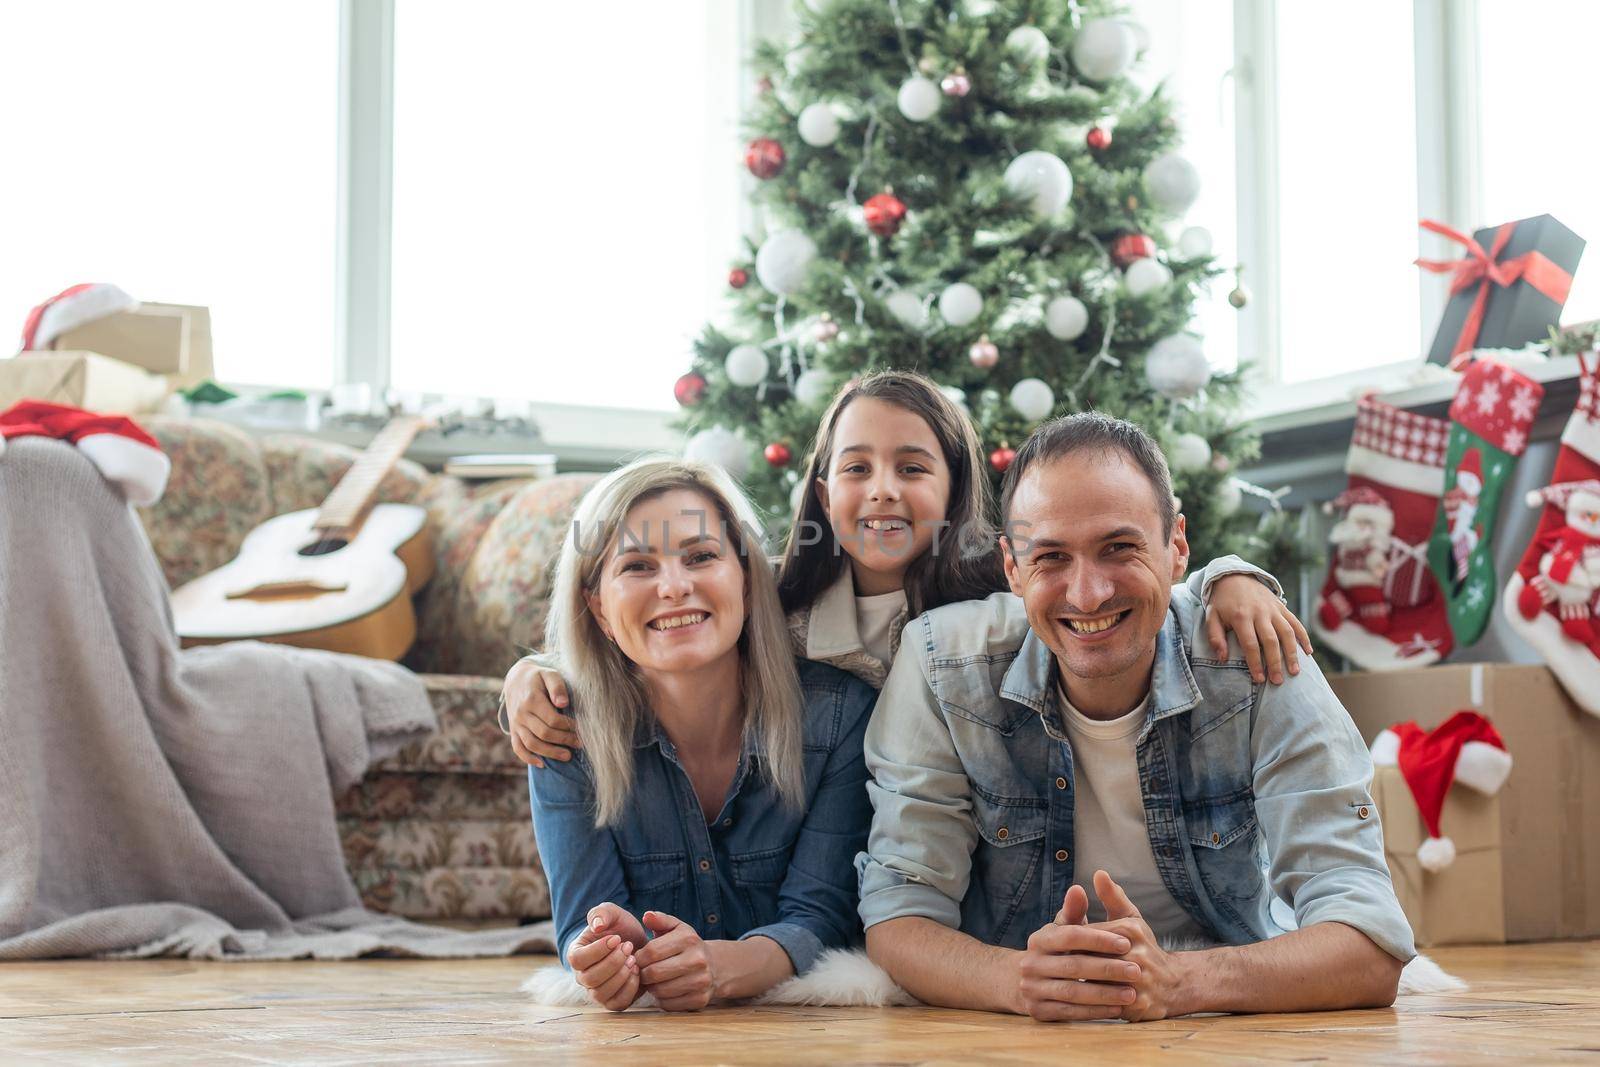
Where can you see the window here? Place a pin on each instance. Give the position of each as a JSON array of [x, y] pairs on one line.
[[566, 196], [165, 148], [1535, 69]]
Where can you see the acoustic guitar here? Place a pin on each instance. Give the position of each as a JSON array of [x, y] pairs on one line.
[[338, 577]]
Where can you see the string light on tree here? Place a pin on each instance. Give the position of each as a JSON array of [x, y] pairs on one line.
[[1065, 317], [1042, 180], [960, 304], [984, 354], [746, 365], [765, 158], [819, 125], [1032, 399], [918, 98]]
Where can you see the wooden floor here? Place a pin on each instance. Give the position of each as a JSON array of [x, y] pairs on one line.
[[1528, 1003]]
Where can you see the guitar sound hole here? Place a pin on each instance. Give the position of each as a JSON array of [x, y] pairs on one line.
[[324, 547]]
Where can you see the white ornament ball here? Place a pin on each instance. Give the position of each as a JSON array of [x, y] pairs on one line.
[[919, 98], [1229, 496], [812, 387], [1145, 276], [1032, 398], [960, 304], [1066, 318], [1172, 183], [746, 365], [1141, 35], [784, 260], [1103, 49], [720, 446], [1190, 452], [819, 125], [1194, 243], [1029, 44], [1043, 180], [907, 309], [1176, 367]]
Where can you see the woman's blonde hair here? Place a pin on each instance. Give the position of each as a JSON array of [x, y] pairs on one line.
[[608, 692]]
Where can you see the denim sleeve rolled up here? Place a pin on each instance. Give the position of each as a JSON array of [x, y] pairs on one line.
[[756, 867]]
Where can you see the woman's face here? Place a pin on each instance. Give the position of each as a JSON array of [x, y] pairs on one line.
[[887, 488], [672, 589]]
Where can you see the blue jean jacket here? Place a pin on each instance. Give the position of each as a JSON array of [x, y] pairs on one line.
[[758, 868], [1249, 791]]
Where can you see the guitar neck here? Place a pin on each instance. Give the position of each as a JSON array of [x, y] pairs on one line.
[[347, 505]]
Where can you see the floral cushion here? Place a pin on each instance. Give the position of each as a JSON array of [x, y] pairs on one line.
[[465, 797], [468, 740], [219, 491], [303, 471], [418, 844], [479, 893]]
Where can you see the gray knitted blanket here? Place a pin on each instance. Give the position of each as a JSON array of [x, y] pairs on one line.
[[155, 801]]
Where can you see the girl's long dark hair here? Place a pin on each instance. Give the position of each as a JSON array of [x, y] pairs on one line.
[[963, 563]]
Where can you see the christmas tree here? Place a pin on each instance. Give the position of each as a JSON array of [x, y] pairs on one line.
[[976, 190]]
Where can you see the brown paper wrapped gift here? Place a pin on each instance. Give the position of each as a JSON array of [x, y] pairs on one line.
[[1550, 806], [1464, 903], [81, 380], [173, 340]]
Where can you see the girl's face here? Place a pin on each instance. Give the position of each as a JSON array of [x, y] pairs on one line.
[[671, 591], [886, 491]]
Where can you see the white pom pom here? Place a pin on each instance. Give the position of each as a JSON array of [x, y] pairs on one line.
[[1386, 749], [1483, 767], [1436, 853], [2, 446], [1535, 498]]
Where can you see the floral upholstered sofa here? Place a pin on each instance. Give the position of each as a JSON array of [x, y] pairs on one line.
[[442, 830]]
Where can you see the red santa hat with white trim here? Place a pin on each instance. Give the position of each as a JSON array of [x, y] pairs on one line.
[[71, 308], [1464, 749], [130, 458]]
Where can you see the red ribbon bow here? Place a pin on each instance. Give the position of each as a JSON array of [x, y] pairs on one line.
[[1482, 269]]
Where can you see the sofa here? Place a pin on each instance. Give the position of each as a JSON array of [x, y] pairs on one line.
[[440, 831]]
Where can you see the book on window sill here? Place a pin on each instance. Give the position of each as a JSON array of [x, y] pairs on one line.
[[502, 465]]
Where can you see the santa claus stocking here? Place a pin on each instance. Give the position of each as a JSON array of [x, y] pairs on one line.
[[1490, 418], [1553, 601], [1380, 607]]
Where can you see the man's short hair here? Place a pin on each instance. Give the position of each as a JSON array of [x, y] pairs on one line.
[[1092, 431]]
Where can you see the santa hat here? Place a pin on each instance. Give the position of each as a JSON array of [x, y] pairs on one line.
[[71, 308], [129, 458], [1465, 748], [1362, 502], [1471, 463], [1561, 493]]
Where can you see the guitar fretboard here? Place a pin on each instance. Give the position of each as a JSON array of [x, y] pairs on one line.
[[351, 498]]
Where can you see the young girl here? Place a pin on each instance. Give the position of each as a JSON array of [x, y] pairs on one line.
[[895, 521]]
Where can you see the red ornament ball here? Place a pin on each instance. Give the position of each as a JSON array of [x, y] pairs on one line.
[[1129, 247], [1000, 459], [956, 83], [1098, 138], [689, 389], [984, 353], [738, 278], [884, 213], [765, 158], [778, 454]]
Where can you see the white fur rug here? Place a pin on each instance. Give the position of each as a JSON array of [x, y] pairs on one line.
[[848, 979]]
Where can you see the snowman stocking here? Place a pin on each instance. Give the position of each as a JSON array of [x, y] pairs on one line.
[[1380, 606], [1553, 601], [1490, 418]]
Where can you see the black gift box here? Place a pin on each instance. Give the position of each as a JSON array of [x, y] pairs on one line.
[[1516, 314]]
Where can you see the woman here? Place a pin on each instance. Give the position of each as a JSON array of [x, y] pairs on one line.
[[718, 800]]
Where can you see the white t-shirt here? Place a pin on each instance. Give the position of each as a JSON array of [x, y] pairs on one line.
[[874, 614], [1108, 826]]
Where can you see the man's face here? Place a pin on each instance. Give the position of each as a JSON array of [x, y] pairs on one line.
[[1085, 552]]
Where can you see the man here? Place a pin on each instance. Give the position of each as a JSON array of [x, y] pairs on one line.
[[1078, 736]]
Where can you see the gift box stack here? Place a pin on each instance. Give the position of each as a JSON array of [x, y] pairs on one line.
[[93, 346]]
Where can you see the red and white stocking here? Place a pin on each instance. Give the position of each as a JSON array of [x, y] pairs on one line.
[[1380, 606], [1553, 601]]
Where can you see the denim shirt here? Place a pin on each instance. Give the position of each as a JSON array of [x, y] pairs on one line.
[[1249, 791], [758, 868]]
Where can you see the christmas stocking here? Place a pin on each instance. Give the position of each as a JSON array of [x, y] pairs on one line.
[[130, 459], [1380, 607], [1490, 418], [1553, 601]]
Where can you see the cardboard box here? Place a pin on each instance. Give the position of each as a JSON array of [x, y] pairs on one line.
[[1550, 806], [1517, 314], [1464, 904], [173, 340], [80, 379]]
